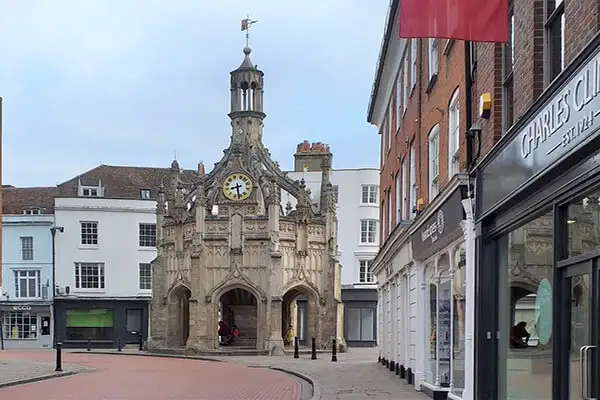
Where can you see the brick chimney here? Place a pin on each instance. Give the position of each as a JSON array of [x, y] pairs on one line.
[[310, 156]]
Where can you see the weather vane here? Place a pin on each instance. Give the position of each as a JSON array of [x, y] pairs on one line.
[[246, 24]]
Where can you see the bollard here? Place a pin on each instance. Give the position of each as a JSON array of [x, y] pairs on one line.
[[58, 357], [391, 365], [119, 348], [296, 348], [141, 342], [314, 349], [379, 359], [397, 369], [333, 350], [89, 344]]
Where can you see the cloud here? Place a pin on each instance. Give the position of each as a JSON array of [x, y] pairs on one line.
[[129, 82]]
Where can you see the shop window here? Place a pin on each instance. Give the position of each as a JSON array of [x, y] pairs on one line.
[[94, 324], [361, 324], [457, 382], [555, 37], [525, 265], [583, 222], [19, 325]]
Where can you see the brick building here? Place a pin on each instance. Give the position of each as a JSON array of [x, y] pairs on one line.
[[537, 205], [418, 103]]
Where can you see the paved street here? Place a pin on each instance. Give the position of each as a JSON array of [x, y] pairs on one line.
[[132, 378]]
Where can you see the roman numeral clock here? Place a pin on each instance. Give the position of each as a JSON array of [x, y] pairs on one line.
[[237, 186]]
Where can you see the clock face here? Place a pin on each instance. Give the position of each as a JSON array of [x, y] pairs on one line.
[[237, 186]]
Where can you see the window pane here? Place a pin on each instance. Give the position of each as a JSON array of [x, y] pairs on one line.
[[584, 225], [525, 311], [354, 324], [367, 324]]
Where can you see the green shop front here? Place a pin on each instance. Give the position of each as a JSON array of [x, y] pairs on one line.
[[538, 247], [101, 322]]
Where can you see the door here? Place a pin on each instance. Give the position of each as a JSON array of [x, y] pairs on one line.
[[133, 324], [581, 283]]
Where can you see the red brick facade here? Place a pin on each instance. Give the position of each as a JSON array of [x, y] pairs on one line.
[[427, 106]]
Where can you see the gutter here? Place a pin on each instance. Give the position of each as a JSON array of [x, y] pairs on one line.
[[389, 25]]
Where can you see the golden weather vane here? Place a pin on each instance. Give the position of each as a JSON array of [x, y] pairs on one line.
[[246, 24]]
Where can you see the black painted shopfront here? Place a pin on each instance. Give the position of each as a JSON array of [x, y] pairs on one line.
[[102, 322], [538, 247]]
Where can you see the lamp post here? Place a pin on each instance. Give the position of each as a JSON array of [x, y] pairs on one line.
[[53, 231]]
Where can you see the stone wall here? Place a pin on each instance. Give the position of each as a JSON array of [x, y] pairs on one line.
[[244, 317]]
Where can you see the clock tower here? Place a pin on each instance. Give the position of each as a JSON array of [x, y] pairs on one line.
[[247, 83]]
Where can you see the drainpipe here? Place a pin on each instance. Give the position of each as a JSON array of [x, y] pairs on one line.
[[53, 231]]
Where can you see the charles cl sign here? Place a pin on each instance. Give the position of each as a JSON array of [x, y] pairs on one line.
[[436, 228]]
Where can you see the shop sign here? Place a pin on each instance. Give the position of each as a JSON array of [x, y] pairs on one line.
[[570, 116], [436, 231], [565, 120], [22, 308]]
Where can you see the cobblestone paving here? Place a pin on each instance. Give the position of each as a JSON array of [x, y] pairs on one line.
[[14, 367]]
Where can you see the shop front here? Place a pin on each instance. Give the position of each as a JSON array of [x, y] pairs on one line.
[[438, 249], [538, 245], [102, 322], [360, 312], [26, 325]]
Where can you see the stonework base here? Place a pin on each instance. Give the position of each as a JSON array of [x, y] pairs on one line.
[[276, 347]]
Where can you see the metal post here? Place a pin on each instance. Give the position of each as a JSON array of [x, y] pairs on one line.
[[296, 348], [333, 350], [141, 342], [314, 349], [58, 357], [119, 348], [89, 344]]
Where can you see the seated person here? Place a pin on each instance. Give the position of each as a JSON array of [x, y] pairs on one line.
[[289, 336], [225, 334], [519, 337]]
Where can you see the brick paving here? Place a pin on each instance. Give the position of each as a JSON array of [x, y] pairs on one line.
[[15, 368], [135, 378]]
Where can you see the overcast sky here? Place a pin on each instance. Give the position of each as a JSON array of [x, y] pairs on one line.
[[130, 82]]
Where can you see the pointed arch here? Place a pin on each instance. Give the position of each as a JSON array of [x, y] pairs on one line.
[[230, 282], [177, 286]]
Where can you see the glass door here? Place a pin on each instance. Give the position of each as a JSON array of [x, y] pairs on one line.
[[580, 335]]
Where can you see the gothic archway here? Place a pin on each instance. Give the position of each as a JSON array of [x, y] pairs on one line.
[[238, 307], [179, 312], [300, 310]]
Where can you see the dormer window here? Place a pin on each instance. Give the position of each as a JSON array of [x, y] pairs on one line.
[[145, 194], [33, 211], [91, 191]]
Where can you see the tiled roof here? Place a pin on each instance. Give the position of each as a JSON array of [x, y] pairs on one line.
[[16, 200], [123, 182]]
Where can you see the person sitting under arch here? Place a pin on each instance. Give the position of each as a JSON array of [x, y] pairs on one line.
[[519, 337], [225, 334]]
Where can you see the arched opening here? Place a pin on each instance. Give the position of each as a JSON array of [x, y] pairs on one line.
[[179, 309], [239, 308], [299, 311]]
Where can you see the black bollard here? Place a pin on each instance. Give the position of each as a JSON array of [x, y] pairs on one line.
[[333, 350], [379, 359], [296, 348], [391, 365], [58, 357], [314, 349], [141, 342], [89, 345], [119, 348], [397, 369]]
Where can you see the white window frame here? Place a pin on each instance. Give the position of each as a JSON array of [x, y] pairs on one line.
[[91, 191], [432, 57], [389, 125], [412, 199], [398, 184], [405, 86], [453, 134], [365, 273], [81, 267], [145, 194], [147, 235], [28, 275], [389, 212], [404, 193], [371, 192], [145, 276], [27, 248], [89, 233], [413, 58], [368, 231], [434, 160], [399, 104]]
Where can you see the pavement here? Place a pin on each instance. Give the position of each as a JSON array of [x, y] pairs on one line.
[[355, 376]]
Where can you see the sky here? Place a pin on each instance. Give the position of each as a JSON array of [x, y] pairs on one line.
[[136, 82]]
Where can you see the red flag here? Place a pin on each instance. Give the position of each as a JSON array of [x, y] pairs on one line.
[[474, 20]]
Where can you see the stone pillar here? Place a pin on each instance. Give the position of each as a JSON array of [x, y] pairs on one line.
[[275, 342], [200, 325]]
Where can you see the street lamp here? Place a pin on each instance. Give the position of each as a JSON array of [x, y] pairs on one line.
[[53, 231]]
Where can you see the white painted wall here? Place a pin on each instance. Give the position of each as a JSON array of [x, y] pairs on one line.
[[350, 211], [37, 227], [118, 243]]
